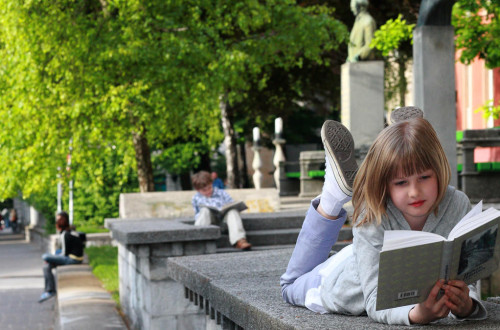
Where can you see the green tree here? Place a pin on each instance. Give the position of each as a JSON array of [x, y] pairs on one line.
[[477, 30], [393, 40], [127, 77]]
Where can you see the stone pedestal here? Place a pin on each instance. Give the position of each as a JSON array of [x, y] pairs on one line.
[[476, 184], [362, 100], [279, 157], [148, 296], [311, 161], [257, 165], [434, 79]]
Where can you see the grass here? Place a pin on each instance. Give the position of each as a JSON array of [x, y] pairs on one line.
[[89, 229], [104, 263]]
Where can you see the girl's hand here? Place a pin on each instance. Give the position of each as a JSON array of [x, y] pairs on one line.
[[432, 308], [459, 301]]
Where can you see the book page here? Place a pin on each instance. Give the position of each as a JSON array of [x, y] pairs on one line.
[[397, 239], [473, 222]]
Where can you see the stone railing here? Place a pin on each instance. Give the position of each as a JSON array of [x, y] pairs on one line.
[[242, 291], [172, 277], [479, 185], [148, 296]]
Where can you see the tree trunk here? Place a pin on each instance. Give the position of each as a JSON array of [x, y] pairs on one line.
[[143, 159], [403, 83], [230, 143], [243, 166]]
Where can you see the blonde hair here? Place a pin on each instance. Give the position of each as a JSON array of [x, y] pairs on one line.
[[402, 149]]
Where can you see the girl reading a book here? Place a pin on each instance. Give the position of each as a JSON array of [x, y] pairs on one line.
[[401, 185]]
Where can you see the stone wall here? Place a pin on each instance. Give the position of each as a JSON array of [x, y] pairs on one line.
[[177, 204], [148, 296]]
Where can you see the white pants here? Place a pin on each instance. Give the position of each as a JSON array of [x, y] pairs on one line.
[[232, 219]]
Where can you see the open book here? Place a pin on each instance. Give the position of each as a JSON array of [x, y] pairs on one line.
[[221, 212], [412, 261]]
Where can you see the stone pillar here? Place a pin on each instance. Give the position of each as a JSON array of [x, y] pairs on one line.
[[311, 161], [362, 99], [434, 80], [257, 165], [279, 157], [148, 296]]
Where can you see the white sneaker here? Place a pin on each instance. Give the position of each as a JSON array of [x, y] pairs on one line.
[[340, 157]]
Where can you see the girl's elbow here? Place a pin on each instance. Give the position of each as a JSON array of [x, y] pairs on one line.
[[285, 292]]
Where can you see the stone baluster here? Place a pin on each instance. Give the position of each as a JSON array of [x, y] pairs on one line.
[[279, 155], [257, 161]]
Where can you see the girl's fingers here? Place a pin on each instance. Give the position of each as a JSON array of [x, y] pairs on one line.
[[435, 290], [458, 284]]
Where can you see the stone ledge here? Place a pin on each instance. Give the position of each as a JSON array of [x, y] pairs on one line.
[[82, 302], [177, 204], [249, 294], [149, 231]]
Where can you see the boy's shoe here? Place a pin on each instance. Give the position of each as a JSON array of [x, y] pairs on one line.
[[46, 296], [339, 149], [405, 113], [243, 244]]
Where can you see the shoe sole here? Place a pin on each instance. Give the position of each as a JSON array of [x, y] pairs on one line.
[[405, 113], [339, 148]]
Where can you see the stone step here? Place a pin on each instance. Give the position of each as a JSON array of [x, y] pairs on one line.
[[277, 237], [226, 249], [265, 221]]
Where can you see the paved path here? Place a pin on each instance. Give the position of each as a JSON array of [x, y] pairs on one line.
[[21, 283]]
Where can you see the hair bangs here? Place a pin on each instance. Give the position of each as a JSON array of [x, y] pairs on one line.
[[410, 160]]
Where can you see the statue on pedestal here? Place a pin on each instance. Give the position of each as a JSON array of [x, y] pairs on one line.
[[435, 12], [361, 33]]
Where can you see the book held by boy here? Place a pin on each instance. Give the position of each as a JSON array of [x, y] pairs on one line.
[[221, 212], [412, 261]]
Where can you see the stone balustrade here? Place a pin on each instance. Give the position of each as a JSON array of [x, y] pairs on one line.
[[479, 185]]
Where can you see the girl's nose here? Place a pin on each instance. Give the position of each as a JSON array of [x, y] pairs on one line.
[[413, 190]]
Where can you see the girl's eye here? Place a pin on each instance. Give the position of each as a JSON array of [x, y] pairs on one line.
[[425, 177], [399, 183]]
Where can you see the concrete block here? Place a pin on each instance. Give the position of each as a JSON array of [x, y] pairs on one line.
[[210, 247], [191, 321], [194, 248], [166, 297], [157, 269], [143, 267], [167, 249], [165, 322]]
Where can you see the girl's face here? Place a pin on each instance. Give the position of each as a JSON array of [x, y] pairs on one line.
[[414, 196]]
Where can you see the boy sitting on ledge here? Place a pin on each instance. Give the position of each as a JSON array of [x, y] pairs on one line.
[[207, 195]]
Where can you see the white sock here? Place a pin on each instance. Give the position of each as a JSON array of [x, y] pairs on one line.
[[332, 197]]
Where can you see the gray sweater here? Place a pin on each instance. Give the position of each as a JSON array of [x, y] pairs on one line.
[[352, 287]]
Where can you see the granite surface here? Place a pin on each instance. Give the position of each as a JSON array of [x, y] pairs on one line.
[[245, 288], [147, 231]]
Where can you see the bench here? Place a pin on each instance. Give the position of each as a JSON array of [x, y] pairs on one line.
[[177, 204], [82, 302]]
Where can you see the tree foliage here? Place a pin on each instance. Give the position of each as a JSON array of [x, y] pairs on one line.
[[390, 35], [477, 30], [112, 75]]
